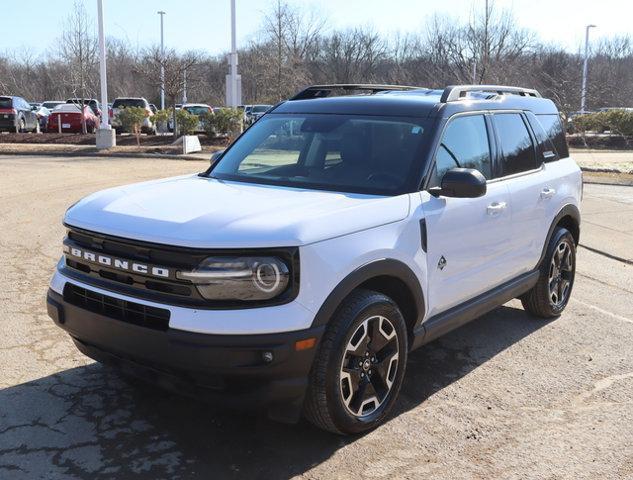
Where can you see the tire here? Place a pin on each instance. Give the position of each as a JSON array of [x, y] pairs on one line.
[[549, 297], [334, 400], [19, 128], [37, 128]]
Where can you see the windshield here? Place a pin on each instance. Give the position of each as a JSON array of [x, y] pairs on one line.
[[198, 110], [351, 153], [51, 105], [6, 102]]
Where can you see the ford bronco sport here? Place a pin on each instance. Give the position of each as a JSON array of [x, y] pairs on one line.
[[348, 226]]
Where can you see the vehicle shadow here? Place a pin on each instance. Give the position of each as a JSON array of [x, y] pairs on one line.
[[89, 423]]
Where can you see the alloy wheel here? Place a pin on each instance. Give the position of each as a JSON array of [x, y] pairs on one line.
[[369, 366], [561, 273]]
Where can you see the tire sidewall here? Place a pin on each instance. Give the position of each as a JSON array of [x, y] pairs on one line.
[[345, 421], [559, 235]]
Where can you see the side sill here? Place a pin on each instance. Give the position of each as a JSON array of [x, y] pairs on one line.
[[459, 315]]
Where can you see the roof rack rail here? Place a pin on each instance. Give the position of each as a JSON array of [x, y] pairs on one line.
[[456, 92], [320, 91]]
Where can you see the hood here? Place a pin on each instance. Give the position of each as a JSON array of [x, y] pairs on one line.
[[200, 212]]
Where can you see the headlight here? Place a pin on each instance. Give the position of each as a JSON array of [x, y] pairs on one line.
[[239, 278]]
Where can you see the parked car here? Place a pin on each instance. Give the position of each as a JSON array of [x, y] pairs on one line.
[[70, 117], [300, 270], [35, 106], [255, 112], [51, 104], [120, 103], [16, 115], [198, 109], [91, 102], [42, 114]]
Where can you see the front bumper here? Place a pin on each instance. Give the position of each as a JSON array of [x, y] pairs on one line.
[[228, 369]]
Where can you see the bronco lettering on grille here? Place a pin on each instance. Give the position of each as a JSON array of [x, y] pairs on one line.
[[117, 263]]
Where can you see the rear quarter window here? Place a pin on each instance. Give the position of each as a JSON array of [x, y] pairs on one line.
[[553, 126]]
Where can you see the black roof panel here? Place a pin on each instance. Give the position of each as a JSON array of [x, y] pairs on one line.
[[415, 103]]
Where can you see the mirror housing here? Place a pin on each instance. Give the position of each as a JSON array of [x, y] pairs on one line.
[[215, 156], [461, 183]]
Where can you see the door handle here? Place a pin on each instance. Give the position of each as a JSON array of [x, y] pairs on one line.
[[496, 208], [549, 155], [548, 192]]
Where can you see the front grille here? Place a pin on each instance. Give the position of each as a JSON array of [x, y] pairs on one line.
[[165, 289], [127, 282], [117, 309]]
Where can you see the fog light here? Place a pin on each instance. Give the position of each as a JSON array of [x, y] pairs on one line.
[[267, 357]]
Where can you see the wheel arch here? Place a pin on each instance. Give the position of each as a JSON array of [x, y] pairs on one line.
[[569, 218], [391, 277]]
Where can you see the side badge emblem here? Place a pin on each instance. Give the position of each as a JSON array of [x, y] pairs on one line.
[[442, 263]]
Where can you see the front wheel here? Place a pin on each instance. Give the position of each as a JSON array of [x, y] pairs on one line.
[[358, 371], [549, 297]]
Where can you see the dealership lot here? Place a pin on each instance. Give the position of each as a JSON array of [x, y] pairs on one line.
[[506, 396]]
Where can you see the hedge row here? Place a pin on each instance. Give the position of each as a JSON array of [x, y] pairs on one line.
[[619, 122]]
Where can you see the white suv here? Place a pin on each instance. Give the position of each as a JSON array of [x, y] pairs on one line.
[[332, 238], [148, 126]]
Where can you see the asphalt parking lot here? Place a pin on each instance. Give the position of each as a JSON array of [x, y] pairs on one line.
[[505, 397]]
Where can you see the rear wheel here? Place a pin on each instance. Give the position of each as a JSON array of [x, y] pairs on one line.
[[549, 297], [21, 126], [358, 371]]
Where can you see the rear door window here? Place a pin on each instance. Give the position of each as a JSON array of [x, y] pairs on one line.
[[515, 143], [464, 144]]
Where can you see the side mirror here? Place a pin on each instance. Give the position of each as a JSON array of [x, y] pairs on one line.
[[461, 183], [215, 156]]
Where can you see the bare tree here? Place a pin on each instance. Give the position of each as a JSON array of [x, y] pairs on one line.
[[290, 35], [78, 48], [294, 48], [180, 71]]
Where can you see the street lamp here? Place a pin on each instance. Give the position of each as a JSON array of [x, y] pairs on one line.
[[233, 80], [583, 93], [105, 135], [162, 62]]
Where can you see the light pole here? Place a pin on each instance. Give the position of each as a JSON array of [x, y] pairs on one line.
[[583, 93], [162, 62], [105, 135], [233, 80]]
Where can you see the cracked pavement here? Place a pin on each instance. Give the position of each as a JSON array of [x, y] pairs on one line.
[[507, 396]]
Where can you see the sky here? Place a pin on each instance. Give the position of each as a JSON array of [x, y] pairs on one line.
[[205, 24]]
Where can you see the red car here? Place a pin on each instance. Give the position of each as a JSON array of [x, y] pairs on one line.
[[70, 117]]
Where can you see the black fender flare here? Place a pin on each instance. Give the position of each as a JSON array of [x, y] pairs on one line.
[[378, 268], [568, 210]]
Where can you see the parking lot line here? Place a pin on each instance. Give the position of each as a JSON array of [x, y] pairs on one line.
[[603, 311]]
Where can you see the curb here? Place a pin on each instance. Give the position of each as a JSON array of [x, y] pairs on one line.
[[606, 254], [169, 156], [604, 170]]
